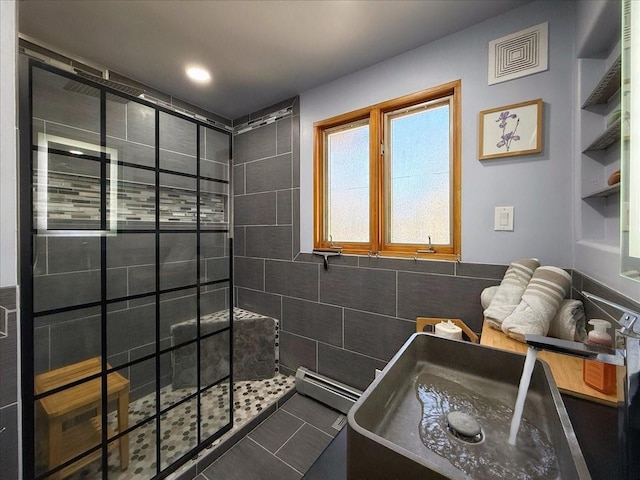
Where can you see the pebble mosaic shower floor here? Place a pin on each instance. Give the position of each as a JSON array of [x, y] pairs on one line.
[[178, 426]]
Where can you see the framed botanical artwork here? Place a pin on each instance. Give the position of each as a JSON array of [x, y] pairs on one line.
[[511, 130]]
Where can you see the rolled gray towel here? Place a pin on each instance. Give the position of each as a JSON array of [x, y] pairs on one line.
[[539, 304], [569, 322], [510, 290]]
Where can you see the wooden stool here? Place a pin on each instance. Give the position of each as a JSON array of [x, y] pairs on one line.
[[422, 322], [68, 404]]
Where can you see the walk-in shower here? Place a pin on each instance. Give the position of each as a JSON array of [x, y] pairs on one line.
[[125, 212]]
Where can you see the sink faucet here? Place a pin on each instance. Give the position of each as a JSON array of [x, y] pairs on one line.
[[626, 353], [577, 349]]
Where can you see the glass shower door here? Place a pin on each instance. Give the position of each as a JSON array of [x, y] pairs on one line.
[[126, 311]]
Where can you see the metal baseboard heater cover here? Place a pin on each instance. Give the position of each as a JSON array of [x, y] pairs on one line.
[[330, 392]]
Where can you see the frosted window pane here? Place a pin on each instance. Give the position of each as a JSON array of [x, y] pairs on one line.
[[419, 177], [348, 185]]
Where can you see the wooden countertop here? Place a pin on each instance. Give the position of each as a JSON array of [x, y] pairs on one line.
[[567, 370]]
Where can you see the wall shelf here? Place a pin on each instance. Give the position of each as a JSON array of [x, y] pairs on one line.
[[604, 192], [600, 245], [599, 134], [607, 87], [610, 136]]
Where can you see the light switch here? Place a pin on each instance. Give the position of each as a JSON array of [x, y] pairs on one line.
[[503, 219]]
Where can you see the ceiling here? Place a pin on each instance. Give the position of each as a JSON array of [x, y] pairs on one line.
[[259, 52]]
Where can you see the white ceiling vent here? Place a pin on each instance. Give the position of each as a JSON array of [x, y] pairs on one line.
[[519, 54]]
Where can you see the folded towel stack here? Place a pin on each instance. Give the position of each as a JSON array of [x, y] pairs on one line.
[[510, 290], [569, 322], [540, 302]]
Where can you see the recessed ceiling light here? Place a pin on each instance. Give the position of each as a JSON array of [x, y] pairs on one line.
[[198, 74], [76, 152]]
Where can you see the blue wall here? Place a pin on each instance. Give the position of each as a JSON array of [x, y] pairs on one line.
[[538, 186]]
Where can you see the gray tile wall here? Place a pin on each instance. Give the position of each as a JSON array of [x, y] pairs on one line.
[[352, 318], [69, 275], [582, 283], [8, 383]]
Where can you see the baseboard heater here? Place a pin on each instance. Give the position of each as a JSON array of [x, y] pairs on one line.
[[330, 392]]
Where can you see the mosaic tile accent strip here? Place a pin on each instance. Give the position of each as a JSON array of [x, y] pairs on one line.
[[250, 398], [77, 198]]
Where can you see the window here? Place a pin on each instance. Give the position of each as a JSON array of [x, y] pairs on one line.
[[387, 177]]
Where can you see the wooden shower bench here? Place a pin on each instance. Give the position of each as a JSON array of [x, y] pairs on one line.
[[69, 404]]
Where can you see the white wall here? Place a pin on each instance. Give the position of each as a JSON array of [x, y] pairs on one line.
[[538, 186], [596, 31], [601, 16], [8, 130]]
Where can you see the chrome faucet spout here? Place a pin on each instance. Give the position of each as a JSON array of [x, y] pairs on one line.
[[626, 325], [577, 349]]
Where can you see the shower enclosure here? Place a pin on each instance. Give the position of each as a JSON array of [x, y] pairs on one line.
[[125, 237]]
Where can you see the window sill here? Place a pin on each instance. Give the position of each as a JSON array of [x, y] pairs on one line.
[[406, 256]]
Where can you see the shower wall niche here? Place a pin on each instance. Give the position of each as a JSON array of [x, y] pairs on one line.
[[125, 219]]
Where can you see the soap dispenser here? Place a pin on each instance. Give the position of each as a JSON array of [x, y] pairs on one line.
[[598, 375]]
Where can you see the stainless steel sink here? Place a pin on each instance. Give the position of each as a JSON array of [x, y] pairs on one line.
[[398, 429]]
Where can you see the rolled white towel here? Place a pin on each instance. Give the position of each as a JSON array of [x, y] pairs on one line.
[[569, 322], [487, 295], [539, 304], [510, 290]]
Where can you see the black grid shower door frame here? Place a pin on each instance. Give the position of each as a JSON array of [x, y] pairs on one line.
[[27, 235]]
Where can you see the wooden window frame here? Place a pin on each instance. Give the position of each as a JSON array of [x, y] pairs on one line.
[[377, 209]]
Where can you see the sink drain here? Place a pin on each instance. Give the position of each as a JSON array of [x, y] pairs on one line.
[[464, 427]]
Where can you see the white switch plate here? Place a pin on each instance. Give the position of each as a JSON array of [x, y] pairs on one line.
[[503, 219]]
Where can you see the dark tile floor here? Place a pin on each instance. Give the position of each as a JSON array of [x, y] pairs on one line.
[[251, 399], [282, 447]]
